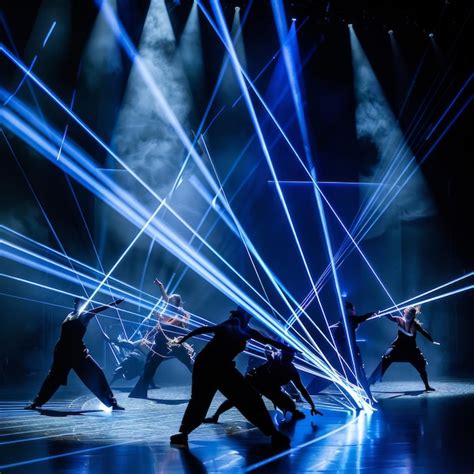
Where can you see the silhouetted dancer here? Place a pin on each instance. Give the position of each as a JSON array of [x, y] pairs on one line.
[[214, 369], [70, 352], [404, 347], [132, 357], [268, 379], [343, 346], [164, 347]]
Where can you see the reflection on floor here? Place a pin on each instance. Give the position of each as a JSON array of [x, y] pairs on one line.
[[411, 432]]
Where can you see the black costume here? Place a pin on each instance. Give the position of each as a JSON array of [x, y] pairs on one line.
[[214, 369], [340, 339], [162, 349], [70, 352], [132, 356], [404, 349], [268, 379]]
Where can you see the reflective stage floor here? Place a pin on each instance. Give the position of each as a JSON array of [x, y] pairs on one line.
[[410, 432]]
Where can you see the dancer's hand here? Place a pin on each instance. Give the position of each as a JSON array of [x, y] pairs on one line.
[[315, 412], [119, 301], [179, 340], [158, 282], [436, 343]]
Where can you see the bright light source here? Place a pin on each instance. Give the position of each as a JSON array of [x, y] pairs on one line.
[[237, 9], [390, 32], [293, 19], [431, 35]]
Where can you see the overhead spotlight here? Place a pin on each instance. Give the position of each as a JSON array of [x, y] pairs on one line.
[[350, 25], [431, 35], [237, 9], [390, 32], [293, 19]]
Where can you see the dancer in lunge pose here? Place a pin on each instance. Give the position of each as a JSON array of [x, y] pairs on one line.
[[268, 380], [404, 347], [214, 369], [70, 352], [164, 347]]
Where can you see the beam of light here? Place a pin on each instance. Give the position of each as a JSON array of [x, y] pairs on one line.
[[23, 79], [427, 300], [50, 31], [327, 183], [288, 40], [440, 287], [288, 452], [170, 241]]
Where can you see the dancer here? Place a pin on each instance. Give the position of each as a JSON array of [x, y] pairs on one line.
[[164, 347], [132, 355], [268, 380], [342, 344], [214, 370], [70, 352], [404, 347]]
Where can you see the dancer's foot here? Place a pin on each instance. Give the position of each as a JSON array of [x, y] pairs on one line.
[[32, 406], [212, 419], [179, 440], [280, 441], [429, 389], [298, 415], [116, 406]]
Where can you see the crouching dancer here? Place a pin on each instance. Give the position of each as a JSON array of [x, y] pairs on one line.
[[268, 380], [214, 369]]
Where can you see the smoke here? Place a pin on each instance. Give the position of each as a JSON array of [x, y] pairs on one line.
[[142, 137], [376, 122]]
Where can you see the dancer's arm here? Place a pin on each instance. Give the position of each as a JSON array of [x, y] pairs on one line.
[[266, 340], [160, 285], [197, 332], [86, 317], [364, 317], [425, 333], [296, 379], [395, 319]]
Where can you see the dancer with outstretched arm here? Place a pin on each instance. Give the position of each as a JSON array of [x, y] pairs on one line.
[[268, 379], [404, 347], [70, 353], [214, 369]]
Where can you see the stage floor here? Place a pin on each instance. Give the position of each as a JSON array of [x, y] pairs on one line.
[[410, 432]]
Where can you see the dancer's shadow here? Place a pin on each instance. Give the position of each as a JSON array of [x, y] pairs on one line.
[[63, 413], [162, 401], [409, 393]]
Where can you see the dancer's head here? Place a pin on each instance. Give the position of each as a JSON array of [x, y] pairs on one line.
[[287, 354], [411, 312], [350, 308], [241, 315], [175, 300]]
